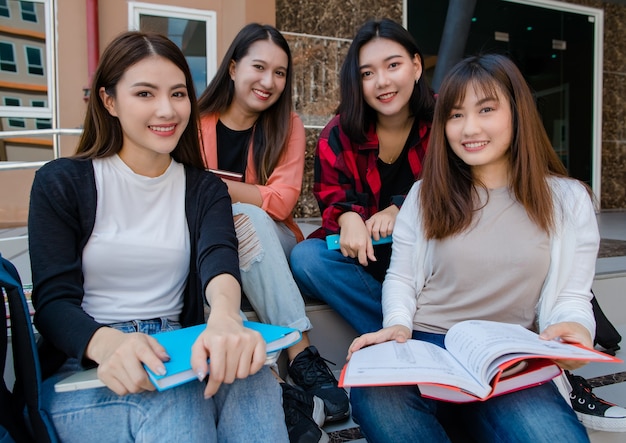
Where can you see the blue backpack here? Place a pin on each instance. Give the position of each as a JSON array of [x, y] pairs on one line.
[[21, 416]]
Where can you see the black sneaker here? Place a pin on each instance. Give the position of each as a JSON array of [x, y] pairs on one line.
[[310, 372], [304, 414], [593, 412]]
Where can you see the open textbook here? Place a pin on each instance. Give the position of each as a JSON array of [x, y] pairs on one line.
[[482, 359], [178, 346]]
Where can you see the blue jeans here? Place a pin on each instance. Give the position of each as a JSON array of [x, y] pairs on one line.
[[248, 410], [341, 282], [266, 279], [389, 414], [399, 414]]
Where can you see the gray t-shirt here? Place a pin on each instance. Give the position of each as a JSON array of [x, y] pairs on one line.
[[493, 271]]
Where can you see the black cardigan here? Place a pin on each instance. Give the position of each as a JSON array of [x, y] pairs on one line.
[[60, 221]]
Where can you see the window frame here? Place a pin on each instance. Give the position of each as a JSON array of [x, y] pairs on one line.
[[596, 16], [21, 120], [51, 109], [47, 122], [30, 65], [11, 45], [137, 9], [32, 13], [49, 71], [5, 7]]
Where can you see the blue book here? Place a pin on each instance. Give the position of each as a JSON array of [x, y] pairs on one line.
[[178, 344], [332, 241]]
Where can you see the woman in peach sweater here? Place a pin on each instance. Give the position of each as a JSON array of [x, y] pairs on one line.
[[256, 143]]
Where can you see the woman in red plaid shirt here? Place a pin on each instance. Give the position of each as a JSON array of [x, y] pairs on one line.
[[367, 158]]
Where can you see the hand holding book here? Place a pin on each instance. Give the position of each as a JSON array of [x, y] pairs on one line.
[[569, 332], [178, 345], [395, 333], [473, 365]]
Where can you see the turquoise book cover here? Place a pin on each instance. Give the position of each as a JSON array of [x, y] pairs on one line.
[[178, 345]]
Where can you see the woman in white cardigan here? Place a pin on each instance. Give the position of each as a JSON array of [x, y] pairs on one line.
[[496, 231]]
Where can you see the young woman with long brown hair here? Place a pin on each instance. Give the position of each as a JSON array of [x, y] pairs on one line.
[[494, 230]]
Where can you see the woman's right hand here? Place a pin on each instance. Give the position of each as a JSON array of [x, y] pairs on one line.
[[355, 240], [120, 359], [398, 333]]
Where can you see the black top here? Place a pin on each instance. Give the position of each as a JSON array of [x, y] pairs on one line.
[[234, 158]]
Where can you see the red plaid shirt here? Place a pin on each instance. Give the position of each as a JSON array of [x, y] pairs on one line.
[[347, 176]]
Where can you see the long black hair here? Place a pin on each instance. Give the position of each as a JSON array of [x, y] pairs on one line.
[[356, 116], [271, 132]]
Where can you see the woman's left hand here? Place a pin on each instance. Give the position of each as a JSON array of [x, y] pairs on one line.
[[569, 332], [381, 224]]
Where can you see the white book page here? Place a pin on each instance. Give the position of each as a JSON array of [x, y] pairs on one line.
[[408, 363], [86, 379], [483, 345]]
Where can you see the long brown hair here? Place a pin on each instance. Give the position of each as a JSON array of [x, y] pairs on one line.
[[448, 191], [102, 133], [272, 128]]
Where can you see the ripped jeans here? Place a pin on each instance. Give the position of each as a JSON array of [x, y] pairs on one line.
[[264, 245]]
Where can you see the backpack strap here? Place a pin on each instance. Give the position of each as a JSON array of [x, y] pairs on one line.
[[26, 390], [607, 335]]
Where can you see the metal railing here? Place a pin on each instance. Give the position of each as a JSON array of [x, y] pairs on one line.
[[56, 149]]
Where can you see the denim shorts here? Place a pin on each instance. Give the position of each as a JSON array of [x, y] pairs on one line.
[[149, 327]]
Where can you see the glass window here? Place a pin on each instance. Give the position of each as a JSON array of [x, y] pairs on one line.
[[29, 13], [7, 57], [192, 30], [33, 59], [28, 97], [554, 47], [14, 122], [26, 57], [4, 9], [41, 123], [10, 101]]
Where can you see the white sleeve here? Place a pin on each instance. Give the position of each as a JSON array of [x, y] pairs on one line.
[[574, 258], [399, 293]]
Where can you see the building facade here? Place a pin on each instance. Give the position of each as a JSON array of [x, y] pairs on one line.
[[46, 64]]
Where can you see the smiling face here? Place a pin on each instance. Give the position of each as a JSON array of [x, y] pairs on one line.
[[480, 131], [259, 77], [388, 75], [152, 105]]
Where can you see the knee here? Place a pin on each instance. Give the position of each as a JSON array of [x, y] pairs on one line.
[[297, 254], [254, 212], [307, 253], [305, 259]]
